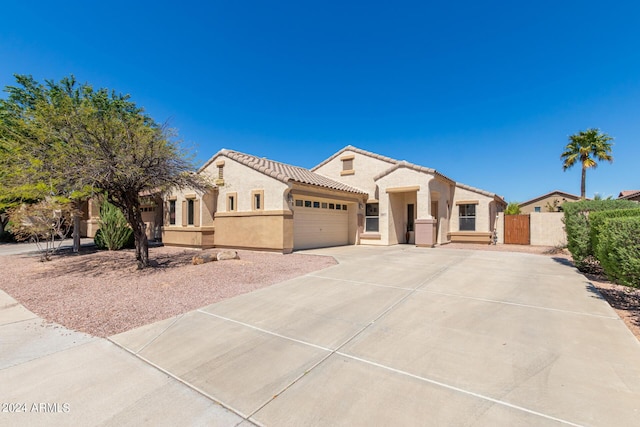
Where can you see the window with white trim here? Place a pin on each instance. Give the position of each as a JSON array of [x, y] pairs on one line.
[[372, 218], [467, 217]]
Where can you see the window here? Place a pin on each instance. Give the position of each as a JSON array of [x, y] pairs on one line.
[[537, 209], [344, 207], [172, 212], [257, 197], [299, 203], [467, 218], [316, 205], [190, 211], [332, 206], [372, 218], [220, 179], [324, 205], [232, 202], [307, 203], [347, 165]]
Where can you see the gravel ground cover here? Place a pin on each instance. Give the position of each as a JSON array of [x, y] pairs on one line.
[[102, 293]]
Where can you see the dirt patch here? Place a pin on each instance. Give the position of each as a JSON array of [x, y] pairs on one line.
[[623, 299], [102, 293]]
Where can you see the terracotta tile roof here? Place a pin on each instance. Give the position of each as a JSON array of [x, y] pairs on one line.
[[360, 151], [418, 168], [483, 192], [568, 196], [628, 194], [396, 164], [284, 172]]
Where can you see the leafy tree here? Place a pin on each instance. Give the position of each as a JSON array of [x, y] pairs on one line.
[[586, 147], [553, 207], [75, 141], [513, 208]]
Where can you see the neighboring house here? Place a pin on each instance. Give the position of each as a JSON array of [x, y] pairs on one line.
[[550, 202], [630, 195], [353, 197]]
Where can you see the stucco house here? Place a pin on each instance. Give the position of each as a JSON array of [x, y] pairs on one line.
[[353, 197], [549, 202], [630, 195]]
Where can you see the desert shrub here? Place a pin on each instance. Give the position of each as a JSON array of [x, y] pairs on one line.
[[619, 250], [577, 224], [114, 232], [597, 220]]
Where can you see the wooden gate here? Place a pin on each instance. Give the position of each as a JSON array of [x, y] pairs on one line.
[[516, 230]]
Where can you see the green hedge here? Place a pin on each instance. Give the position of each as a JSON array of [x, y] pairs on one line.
[[597, 220], [577, 224], [619, 250]]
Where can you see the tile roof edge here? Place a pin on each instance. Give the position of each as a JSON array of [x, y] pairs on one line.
[[480, 191], [535, 199], [356, 150], [413, 166]]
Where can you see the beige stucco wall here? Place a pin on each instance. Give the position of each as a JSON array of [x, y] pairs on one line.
[[196, 237], [485, 218], [205, 203], [365, 168], [267, 228], [402, 187], [243, 180], [270, 230], [90, 215], [500, 228], [442, 192], [546, 229], [542, 204]]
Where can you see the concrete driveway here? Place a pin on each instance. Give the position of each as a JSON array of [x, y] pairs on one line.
[[390, 336]]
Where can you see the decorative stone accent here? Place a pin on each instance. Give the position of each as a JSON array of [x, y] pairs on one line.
[[225, 255], [203, 258]]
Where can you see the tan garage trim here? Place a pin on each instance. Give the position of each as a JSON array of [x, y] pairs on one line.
[[253, 213]]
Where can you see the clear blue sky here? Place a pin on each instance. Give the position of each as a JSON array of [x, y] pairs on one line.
[[485, 92]]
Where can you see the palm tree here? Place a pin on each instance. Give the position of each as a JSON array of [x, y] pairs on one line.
[[587, 147]]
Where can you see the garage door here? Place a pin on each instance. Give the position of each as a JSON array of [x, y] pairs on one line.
[[319, 223]]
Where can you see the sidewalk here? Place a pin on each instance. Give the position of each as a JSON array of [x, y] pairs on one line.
[[50, 376]]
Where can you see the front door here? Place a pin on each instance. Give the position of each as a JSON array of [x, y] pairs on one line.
[[411, 214]]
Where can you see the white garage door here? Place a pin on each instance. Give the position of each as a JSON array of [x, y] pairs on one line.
[[319, 223]]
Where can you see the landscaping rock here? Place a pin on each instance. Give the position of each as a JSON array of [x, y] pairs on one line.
[[201, 259], [225, 255]]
